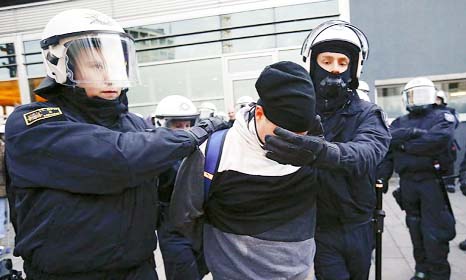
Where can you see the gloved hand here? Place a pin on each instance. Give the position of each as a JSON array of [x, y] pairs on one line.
[[400, 134], [316, 128], [204, 128], [287, 147]]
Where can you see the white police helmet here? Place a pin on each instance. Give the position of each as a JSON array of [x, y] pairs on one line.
[[419, 92], [86, 39], [207, 109], [243, 101], [338, 30], [363, 91], [441, 94], [173, 108]]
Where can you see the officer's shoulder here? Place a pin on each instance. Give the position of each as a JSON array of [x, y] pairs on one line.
[[444, 113], [29, 115]]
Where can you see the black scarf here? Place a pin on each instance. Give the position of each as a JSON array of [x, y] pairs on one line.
[[95, 110]]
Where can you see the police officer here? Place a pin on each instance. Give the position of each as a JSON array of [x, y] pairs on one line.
[[180, 260], [243, 101], [83, 169], [463, 190], [207, 109], [355, 140], [420, 138], [450, 156]]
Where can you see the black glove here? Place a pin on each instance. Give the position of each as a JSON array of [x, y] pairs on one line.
[[205, 127], [404, 134], [287, 147], [316, 128]]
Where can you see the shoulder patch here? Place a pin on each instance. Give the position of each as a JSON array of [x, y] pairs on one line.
[[449, 117], [41, 114], [384, 117]]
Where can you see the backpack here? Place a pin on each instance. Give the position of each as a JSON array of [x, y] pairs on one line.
[[192, 188]]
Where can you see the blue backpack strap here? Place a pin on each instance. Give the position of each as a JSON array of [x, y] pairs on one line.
[[213, 154]]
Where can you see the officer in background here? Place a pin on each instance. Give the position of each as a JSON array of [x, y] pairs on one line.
[[449, 169], [207, 110], [83, 169], [420, 138], [463, 190], [363, 91], [180, 260], [355, 140], [243, 101]]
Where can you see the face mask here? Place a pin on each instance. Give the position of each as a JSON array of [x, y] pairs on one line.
[[329, 85], [331, 89]]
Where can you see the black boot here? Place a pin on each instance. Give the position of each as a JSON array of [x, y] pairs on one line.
[[450, 188]]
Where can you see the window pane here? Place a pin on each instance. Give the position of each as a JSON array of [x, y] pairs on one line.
[[456, 95], [200, 79], [36, 70], [248, 64], [291, 55], [6, 49], [211, 49], [7, 72], [389, 98], [321, 8], [245, 87], [33, 58], [32, 46]]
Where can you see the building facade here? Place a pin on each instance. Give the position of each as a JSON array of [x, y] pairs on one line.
[[205, 50]]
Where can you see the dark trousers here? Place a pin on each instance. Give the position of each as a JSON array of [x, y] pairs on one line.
[[344, 252], [180, 260], [430, 225], [145, 270]]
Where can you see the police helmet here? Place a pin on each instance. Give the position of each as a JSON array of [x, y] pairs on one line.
[[207, 109], [243, 101], [338, 31], [363, 91], [175, 108], [442, 95], [418, 93], [86, 39]]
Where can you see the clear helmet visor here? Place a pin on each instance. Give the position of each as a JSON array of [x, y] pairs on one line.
[[102, 61], [419, 96], [336, 30]]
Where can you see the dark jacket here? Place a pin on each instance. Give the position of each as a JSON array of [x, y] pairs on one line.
[[348, 194], [85, 194], [418, 154], [414, 155]]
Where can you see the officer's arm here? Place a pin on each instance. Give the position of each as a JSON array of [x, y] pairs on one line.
[[86, 158], [366, 150], [359, 156], [433, 141]]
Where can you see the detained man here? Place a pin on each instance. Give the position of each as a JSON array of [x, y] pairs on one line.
[[260, 213]]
